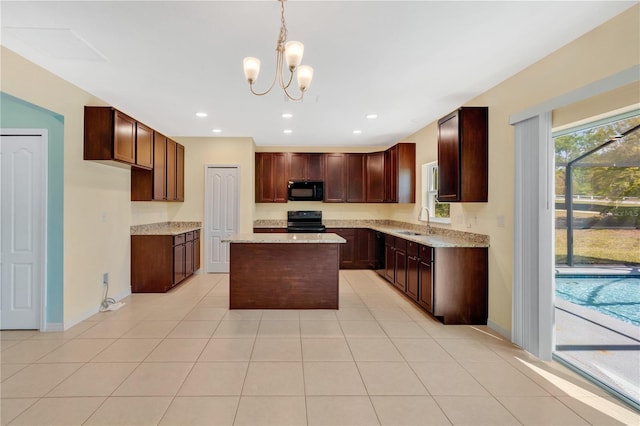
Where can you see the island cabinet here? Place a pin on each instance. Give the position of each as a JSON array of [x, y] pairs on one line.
[[269, 230], [110, 135], [309, 279], [306, 166], [271, 177], [463, 140], [165, 181], [160, 262], [335, 178], [400, 173]]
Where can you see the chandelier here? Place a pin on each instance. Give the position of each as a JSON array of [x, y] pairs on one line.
[[291, 51]]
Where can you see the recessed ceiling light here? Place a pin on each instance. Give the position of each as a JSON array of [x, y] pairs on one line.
[[287, 115], [357, 132], [287, 131], [371, 116], [217, 130], [201, 114]]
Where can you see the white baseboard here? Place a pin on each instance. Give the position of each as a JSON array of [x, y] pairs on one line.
[[89, 313], [499, 329], [50, 327]]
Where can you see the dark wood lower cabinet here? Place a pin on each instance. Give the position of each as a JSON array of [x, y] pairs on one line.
[[425, 278], [389, 258], [347, 250], [413, 263], [400, 255], [460, 291], [179, 257], [159, 262], [196, 250], [451, 283], [257, 279]]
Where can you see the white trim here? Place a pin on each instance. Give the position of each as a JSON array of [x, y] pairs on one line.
[[238, 187], [430, 194], [599, 120], [604, 85], [44, 134], [53, 327]]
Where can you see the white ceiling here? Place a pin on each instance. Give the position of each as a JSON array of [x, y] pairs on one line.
[[409, 62]]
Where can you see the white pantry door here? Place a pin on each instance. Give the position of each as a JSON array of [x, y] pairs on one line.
[[22, 227], [221, 219]]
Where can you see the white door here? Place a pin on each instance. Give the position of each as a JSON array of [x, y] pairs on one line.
[[22, 227], [221, 200]]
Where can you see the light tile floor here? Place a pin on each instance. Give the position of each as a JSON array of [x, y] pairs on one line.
[[183, 358]]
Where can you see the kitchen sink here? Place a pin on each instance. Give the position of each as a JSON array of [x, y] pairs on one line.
[[408, 233]]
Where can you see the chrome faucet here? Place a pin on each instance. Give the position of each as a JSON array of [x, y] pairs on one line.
[[428, 219]]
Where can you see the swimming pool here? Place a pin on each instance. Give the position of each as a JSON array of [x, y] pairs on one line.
[[615, 296]]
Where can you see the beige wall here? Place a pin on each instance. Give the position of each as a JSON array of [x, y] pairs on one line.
[[608, 49], [98, 213], [200, 152], [96, 196]]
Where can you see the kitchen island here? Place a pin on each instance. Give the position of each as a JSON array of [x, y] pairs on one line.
[[284, 271]]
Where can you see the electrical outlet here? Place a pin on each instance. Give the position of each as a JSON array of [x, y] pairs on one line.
[[105, 278]]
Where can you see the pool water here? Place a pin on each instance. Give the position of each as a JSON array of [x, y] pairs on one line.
[[615, 296]]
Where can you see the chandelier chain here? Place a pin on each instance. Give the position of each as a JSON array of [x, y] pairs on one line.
[[283, 28]]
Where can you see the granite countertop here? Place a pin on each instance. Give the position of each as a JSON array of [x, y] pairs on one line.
[[285, 238], [165, 228], [440, 237], [431, 240]]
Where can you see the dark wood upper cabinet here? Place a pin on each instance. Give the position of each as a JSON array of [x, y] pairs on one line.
[[463, 155], [390, 174], [159, 167], [400, 173], [356, 178], [306, 166], [144, 146], [271, 177], [171, 170], [124, 143], [179, 172], [111, 135], [376, 177], [375, 187], [165, 182], [335, 178]]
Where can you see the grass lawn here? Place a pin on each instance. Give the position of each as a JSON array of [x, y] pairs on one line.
[[600, 246]]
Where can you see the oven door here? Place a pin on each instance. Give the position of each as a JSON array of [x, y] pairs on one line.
[[306, 229]]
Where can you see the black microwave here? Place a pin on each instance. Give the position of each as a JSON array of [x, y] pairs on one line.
[[306, 191]]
